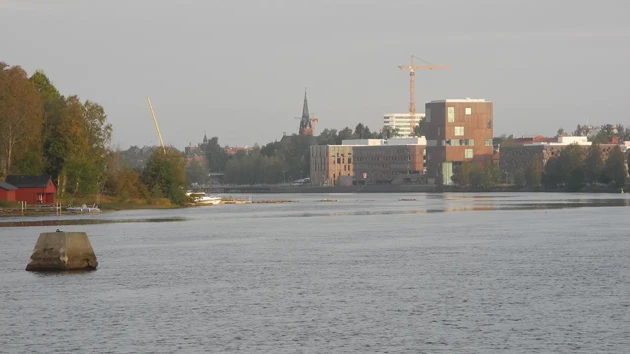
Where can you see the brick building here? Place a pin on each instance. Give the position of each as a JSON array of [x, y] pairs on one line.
[[329, 163], [515, 157], [457, 130], [383, 164]]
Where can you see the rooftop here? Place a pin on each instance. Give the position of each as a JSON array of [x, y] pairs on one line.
[[455, 100], [28, 181], [6, 186]]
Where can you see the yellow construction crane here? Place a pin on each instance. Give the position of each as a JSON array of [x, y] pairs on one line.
[[412, 85], [312, 121], [156, 126]]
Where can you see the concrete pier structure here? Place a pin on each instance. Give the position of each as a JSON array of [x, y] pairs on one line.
[[61, 251]]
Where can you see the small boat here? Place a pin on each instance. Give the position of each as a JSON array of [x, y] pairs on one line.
[[84, 209], [204, 199]]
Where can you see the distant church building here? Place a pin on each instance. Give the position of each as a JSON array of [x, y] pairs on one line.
[[306, 124]]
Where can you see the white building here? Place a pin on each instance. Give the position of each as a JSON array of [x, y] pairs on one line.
[[401, 121], [565, 140], [362, 142], [393, 141], [406, 141]]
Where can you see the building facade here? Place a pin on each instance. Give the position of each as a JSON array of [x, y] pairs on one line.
[[518, 157], [457, 130], [331, 165], [7, 192], [33, 189], [383, 164], [401, 121]]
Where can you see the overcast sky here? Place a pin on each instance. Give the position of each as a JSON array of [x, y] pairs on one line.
[[237, 69]]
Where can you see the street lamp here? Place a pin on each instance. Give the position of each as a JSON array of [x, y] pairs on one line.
[[284, 179]]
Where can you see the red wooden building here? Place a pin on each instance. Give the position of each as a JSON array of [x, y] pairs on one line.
[[7, 192], [33, 189]]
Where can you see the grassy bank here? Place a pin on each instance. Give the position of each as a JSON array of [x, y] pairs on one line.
[[110, 203]]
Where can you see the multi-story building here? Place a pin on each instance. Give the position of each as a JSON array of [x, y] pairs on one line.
[[331, 165], [383, 164], [457, 130], [519, 156], [401, 121], [367, 161]]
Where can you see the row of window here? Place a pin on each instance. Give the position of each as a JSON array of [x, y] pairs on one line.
[[464, 142], [468, 154]]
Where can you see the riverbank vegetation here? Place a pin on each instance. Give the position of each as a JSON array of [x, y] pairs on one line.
[[68, 138], [574, 169]]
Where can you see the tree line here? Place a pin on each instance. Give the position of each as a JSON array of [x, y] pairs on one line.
[[45, 132], [572, 170], [278, 161]]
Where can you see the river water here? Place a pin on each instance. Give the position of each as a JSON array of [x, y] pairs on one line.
[[371, 273]]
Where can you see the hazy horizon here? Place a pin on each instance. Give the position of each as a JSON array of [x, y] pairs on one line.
[[238, 70]]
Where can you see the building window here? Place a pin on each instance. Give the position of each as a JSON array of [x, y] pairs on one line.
[[468, 111], [459, 131], [488, 142], [438, 131], [468, 153], [427, 116], [489, 124], [451, 114]]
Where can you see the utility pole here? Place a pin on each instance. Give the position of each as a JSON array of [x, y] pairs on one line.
[[412, 85]]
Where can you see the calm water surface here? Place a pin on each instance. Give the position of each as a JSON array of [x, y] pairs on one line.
[[452, 273]]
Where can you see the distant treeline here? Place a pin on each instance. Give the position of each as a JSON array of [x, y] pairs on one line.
[[276, 162]]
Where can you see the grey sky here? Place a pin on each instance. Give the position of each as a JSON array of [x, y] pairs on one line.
[[238, 68]]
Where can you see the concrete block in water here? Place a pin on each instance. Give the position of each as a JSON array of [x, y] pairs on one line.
[[59, 251]]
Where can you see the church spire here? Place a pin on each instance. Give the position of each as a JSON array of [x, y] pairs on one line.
[[305, 123], [305, 107]]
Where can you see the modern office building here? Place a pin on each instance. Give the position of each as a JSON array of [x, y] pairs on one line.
[[457, 130], [331, 165], [368, 161], [401, 121]]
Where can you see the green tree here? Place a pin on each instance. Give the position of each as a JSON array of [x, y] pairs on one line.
[[344, 134], [215, 154], [420, 128], [389, 132], [165, 175], [533, 173], [593, 164], [491, 175], [477, 175], [615, 168], [196, 172], [570, 162], [553, 175], [519, 179], [128, 185], [326, 137], [462, 173], [47, 91]]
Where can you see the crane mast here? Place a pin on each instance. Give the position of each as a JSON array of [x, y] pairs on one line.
[[412, 86], [156, 126]]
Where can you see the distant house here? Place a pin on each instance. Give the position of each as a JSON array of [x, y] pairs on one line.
[[7, 192], [33, 189]]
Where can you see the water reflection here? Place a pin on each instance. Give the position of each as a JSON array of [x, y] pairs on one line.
[[84, 221]]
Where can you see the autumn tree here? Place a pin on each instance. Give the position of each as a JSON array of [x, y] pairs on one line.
[[20, 116], [128, 185]]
